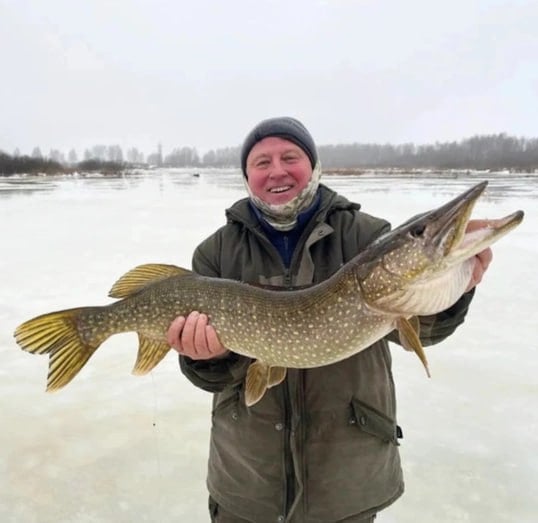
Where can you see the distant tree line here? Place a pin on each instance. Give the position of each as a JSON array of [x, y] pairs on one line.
[[226, 157], [25, 164], [10, 165], [494, 152], [189, 157]]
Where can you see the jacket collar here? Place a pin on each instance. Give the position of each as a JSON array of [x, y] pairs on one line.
[[330, 201]]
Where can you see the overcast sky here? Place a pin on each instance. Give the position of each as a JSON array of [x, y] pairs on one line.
[[202, 73]]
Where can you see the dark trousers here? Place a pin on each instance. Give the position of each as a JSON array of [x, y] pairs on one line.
[[219, 515]]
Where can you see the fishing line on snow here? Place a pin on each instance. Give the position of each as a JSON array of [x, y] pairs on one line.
[[154, 424]]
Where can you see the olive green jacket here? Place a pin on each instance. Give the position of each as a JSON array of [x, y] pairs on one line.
[[322, 446]]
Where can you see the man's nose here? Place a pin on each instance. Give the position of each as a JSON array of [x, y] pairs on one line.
[[277, 167]]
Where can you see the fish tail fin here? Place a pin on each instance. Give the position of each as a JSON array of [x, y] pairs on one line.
[[57, 335], [150, 353]]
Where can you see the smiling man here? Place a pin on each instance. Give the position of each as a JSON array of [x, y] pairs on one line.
[[322, 446]]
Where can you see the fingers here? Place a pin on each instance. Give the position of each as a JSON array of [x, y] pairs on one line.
[[481, 263], [199, 339], [187, 339], [213, 342], [174, 332], [485, 258], [193, 337]]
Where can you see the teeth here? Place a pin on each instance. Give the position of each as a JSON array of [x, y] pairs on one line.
[[280, 189]]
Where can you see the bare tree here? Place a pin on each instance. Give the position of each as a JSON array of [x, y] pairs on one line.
[[72, 156], [36, 153]]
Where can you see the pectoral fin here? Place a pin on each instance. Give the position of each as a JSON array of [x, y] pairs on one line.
[[260, 377], [414, 324], [409, 338]]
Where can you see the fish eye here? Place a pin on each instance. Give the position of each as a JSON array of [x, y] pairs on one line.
[[417, 231]]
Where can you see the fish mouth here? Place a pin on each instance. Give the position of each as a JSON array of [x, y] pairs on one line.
[[448, 226], [449, 222], [487, 232]]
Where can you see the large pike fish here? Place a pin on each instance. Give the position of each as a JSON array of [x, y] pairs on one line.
[[419, 268]]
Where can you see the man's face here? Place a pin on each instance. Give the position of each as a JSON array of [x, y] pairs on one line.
[[277, 170]]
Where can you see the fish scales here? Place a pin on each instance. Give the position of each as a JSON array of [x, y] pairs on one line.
[[275, 326]]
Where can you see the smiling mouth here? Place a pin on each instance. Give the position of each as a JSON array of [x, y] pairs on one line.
[[277, 190]]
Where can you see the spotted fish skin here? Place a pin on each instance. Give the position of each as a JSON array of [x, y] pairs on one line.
[[299, 329], [420, 268]]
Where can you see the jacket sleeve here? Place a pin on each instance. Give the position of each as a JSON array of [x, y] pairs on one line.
[[216, 374]]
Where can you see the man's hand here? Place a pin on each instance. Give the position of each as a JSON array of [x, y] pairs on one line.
[[193, 337], [482, 259]]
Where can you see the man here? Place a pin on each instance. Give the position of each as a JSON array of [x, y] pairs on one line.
[[323, 445]]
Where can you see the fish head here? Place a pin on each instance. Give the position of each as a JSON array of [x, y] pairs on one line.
[[424, 253]]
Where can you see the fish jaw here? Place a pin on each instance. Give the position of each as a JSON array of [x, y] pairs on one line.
[[442, 284], [425, 265], [482, 237], [446, 225], [413, 252]]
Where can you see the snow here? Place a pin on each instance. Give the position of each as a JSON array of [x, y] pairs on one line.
[[114, 447]]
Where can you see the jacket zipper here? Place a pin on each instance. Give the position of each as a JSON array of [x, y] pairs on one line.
[[288, 458], [290, 480], [300, 436]]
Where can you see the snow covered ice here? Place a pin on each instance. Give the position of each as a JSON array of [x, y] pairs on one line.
[[114, 447]]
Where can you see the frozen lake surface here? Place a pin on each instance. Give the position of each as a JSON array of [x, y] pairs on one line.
[[114, 447]]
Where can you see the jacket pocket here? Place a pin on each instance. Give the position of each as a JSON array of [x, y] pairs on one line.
[[373, 422]]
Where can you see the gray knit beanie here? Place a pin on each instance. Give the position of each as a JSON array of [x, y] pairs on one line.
[[282, 127]]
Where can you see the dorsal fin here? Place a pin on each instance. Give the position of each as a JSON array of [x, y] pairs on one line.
[[140, 276]]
